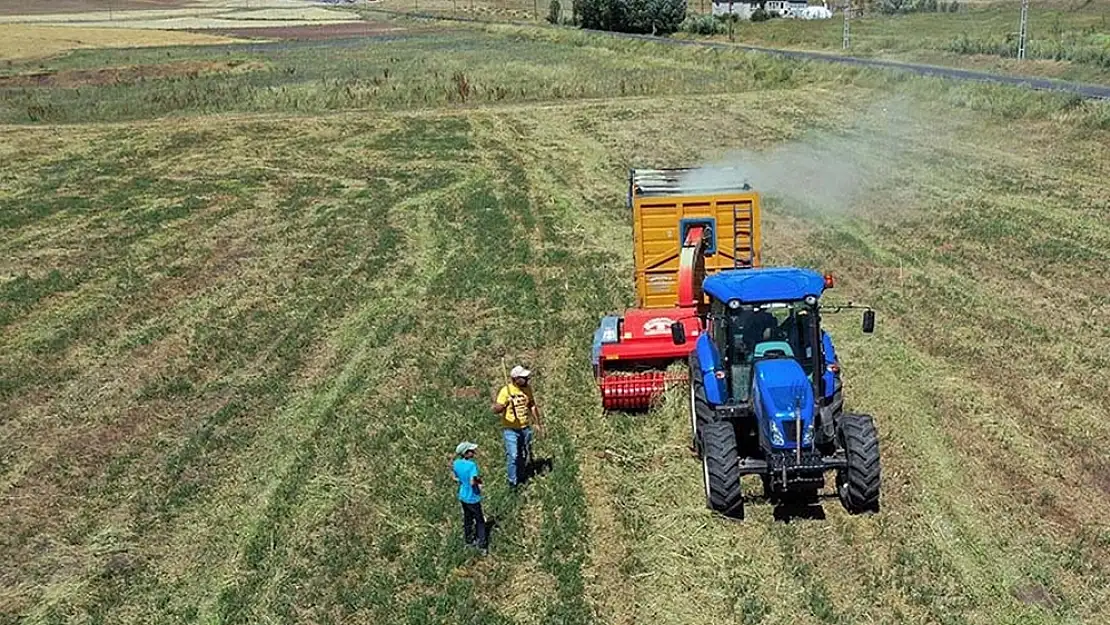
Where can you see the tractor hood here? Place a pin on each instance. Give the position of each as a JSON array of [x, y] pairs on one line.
[[779, 386]]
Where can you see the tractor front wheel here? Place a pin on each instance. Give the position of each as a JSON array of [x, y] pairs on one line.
[[857, 485], [701, 412], [721, 469]]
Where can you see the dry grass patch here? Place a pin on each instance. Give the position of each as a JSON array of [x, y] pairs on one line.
[[128, 74], [27, 41]]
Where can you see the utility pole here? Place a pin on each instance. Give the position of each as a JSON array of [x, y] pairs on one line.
[[731, 19], [847, 14], [1022, 30]]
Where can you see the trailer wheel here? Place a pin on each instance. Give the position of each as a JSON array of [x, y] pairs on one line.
[[858, 484], [701, 412], [721, 469]]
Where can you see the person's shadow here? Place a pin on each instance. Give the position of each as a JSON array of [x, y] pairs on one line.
[[537, 467], [491, 525]]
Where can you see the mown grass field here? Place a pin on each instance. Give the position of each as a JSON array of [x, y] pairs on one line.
[[242, 333]]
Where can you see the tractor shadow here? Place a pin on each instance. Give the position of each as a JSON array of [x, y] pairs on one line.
[[788, 510]]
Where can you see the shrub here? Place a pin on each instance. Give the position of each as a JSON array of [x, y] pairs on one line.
[[897, 7], [631, 16], [703, 25], [554, 12], [760, 15]]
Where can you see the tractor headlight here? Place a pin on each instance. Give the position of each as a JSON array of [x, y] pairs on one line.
[[734, 304], [810, 300], [776, 434]]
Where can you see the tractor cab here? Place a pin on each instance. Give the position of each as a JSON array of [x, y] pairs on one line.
[[754, 333]]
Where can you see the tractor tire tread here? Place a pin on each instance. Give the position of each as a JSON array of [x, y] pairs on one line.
[[722, 464], [703, 413], [864, 473]]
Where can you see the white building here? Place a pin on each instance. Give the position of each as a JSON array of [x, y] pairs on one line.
[[744, 8]]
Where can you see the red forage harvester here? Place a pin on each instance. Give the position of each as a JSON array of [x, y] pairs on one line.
[[687, 223]]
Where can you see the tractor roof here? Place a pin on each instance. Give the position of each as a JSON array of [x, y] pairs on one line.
[[765, 284]]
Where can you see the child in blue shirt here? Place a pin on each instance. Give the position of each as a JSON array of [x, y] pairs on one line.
[[465, 471]]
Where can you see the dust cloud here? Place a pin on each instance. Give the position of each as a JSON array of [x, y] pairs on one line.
[[822, 171]]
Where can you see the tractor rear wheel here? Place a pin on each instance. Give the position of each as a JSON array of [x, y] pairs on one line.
[[858, 484], [721, 469], [701, 412]]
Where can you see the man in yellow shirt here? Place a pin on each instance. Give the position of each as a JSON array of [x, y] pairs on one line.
[[517, 407]]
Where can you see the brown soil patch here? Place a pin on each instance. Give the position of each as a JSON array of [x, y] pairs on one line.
[[1034, 594], [126, 75], [309, 32], [466, 392], [23, 7]]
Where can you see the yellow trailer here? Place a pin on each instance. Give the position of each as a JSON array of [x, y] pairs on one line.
[[666, 203]]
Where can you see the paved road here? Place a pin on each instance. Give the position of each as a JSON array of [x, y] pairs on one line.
[[1085, 90]]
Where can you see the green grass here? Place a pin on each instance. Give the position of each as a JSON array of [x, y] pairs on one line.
[[399, 75], [1067, 42], [237, 350], [490, 65]]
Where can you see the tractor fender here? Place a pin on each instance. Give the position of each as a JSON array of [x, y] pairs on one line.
[[710, 363], [831, 380]]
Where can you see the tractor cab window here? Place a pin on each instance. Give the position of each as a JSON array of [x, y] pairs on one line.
[[773, 330]]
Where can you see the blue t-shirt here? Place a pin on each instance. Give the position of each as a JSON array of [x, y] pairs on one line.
[[465, 470]]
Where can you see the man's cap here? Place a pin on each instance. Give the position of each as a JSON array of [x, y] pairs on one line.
[[519, 372], [462, 448]]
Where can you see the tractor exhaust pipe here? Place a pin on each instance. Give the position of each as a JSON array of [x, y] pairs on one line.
[[798, 429]]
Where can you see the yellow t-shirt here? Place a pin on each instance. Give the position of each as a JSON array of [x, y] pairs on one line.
[[521, 405]]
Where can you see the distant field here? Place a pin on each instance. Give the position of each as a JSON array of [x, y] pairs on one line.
[[251, 298], [22, 41], [1066, 40], [29, 7]]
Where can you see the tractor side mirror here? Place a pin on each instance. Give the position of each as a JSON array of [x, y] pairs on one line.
[[868, 321], [678, 333]]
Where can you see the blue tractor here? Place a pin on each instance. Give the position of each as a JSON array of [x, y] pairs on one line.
[[765, 394]]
